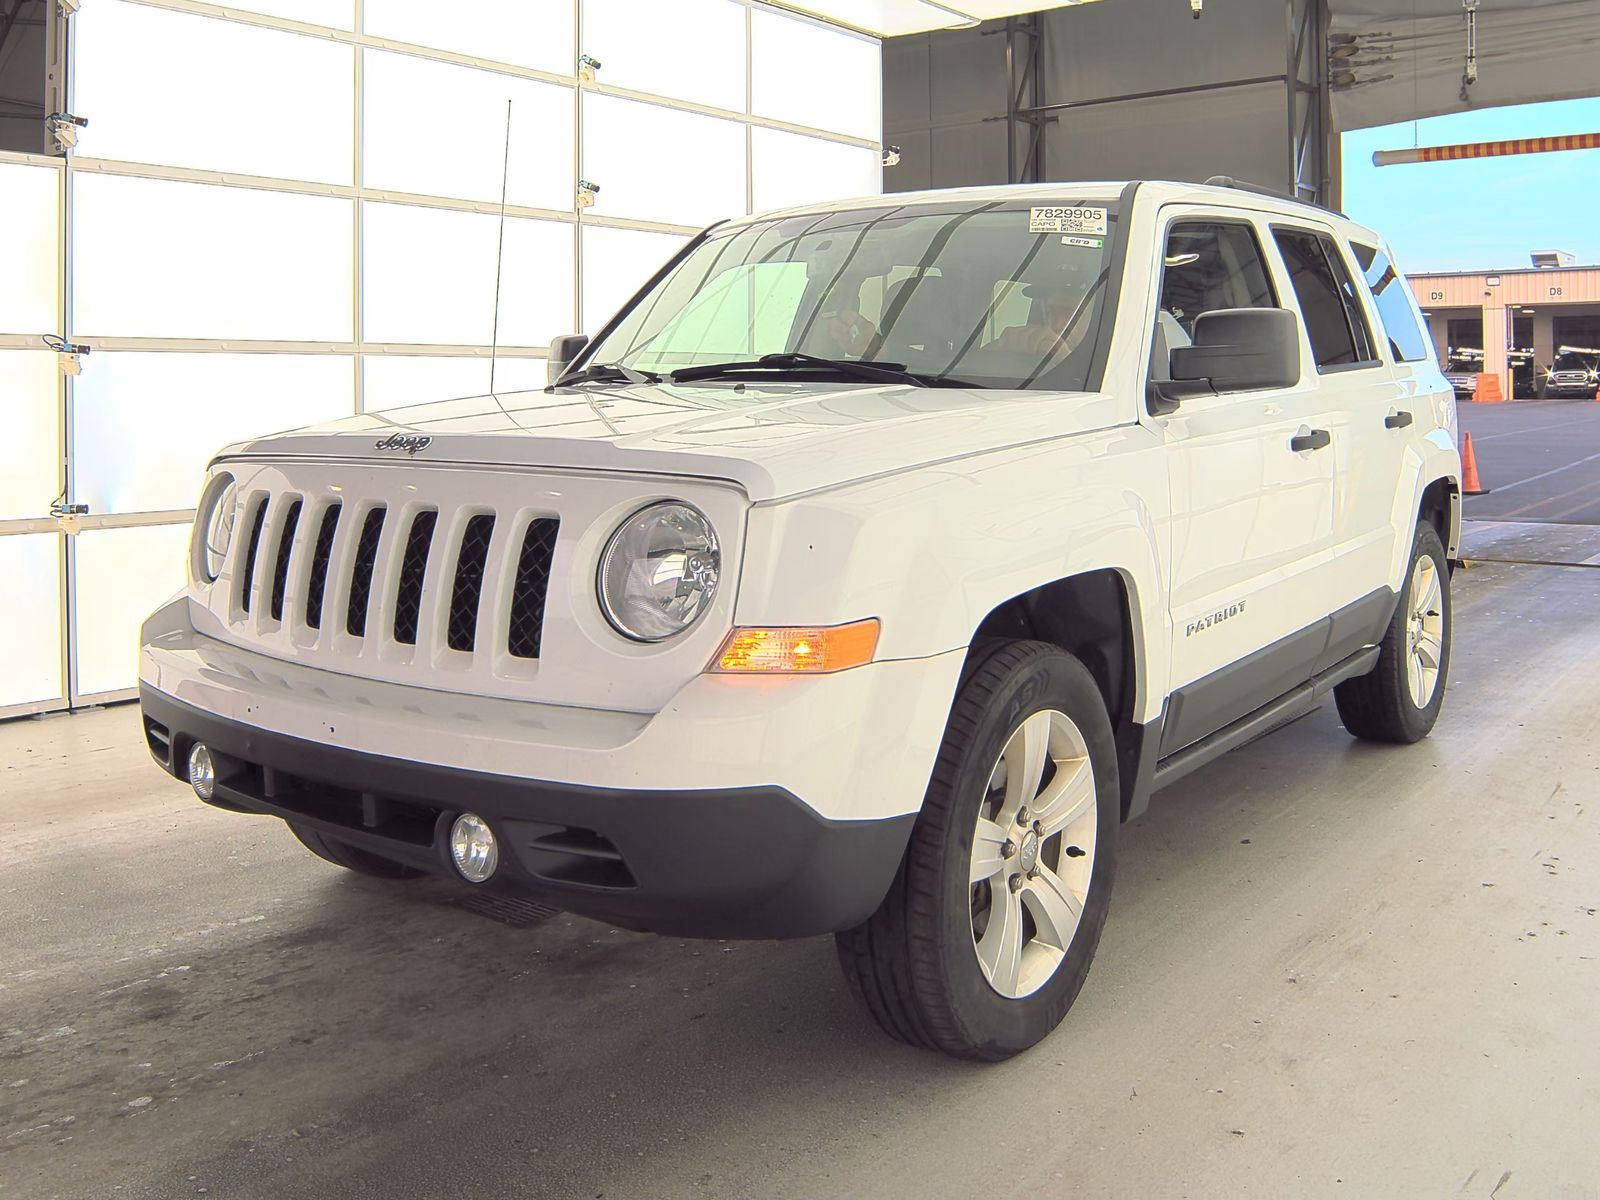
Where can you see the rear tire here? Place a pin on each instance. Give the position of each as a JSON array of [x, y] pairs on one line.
[[351, 858], [1399, 699], [987, 933]]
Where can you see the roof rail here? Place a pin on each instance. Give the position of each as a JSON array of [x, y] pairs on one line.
[[1228, 181]]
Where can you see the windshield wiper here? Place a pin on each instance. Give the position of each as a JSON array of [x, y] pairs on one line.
[[608, 373], [870, 370]]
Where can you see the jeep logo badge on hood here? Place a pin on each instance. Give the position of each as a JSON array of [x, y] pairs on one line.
[[410, 443]]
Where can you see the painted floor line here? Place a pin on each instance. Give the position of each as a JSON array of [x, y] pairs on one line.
[[1489, 437], [1591, 563], [1506, 487], [1547, 501]]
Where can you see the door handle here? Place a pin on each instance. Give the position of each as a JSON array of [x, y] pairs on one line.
[[1397, 420], [1315, 440]]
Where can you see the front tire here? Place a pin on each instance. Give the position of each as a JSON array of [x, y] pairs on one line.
[[351, 858], [986, 935], [1400, 698]]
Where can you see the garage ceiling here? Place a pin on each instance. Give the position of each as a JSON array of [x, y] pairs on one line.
[[892, 18], [1394, 60]]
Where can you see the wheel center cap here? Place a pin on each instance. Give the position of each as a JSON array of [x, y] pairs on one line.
[[1029, 854]]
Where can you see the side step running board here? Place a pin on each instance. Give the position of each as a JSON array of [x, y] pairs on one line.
[[1252, 725]]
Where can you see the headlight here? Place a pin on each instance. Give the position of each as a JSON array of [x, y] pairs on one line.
[[659, 572], [213, 525]]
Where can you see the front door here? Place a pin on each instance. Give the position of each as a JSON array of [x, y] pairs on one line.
[[1253, 496]]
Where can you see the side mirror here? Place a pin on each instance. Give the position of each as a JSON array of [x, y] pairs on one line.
[[1241, 349], [563, 350]]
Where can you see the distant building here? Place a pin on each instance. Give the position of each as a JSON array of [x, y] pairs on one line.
[[1515, 323]]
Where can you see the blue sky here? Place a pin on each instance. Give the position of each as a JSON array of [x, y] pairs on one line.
[[1482, 213]]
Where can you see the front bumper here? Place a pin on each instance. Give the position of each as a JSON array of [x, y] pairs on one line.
[[750, 862], [747, 806]]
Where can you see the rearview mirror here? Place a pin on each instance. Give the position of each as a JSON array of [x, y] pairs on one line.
[[563, 350], [1241, 349]]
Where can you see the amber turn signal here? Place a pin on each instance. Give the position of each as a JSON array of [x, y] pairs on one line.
[[799, 651]]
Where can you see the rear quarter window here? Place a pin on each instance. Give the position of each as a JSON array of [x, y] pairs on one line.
[[1397, 307], [1335, 324]]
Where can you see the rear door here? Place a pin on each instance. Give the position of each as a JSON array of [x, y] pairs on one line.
[[1399, 420], [1360, 393], [1253, 519]]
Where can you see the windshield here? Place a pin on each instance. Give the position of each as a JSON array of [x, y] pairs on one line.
[[995, 295], [1574, 360]]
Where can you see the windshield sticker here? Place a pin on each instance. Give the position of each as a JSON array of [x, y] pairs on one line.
[[1067, 220], [1091, 243]]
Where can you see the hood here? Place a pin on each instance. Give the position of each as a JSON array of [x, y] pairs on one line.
[[772, 440]]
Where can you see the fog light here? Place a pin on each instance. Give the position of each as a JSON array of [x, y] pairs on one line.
[[472, 848], [202, 772]]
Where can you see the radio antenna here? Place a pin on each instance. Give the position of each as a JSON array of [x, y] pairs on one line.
[[500, 249]]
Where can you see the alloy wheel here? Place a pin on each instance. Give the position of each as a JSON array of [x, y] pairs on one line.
[[1424, 632], [1033, 854]]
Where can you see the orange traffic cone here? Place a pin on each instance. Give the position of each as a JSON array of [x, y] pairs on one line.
[[1488, 389], [1470, 486]]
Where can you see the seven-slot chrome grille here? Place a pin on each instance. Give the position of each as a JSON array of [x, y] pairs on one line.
[[454, 577], [360, 577]]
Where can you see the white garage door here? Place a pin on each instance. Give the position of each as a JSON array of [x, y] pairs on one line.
[[292, 212]]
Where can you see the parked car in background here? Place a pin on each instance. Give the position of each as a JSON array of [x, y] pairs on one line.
[[1461, 368], [1575, 374]]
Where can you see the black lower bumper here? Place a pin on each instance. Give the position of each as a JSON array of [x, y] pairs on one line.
[[748, 862]]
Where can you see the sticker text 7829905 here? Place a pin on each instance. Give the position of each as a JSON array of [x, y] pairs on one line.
[[1067, 219]]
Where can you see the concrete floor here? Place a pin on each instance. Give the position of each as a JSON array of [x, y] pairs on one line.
[[1540, 460], [1331, 969]]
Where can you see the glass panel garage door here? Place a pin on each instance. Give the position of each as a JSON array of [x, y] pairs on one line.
[[32, 609], [241, 257]]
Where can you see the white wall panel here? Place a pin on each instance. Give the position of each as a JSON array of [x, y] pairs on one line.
[[788, 169], [30, 450], [30, 256], [189, 91], [340, 14], [195, 404], [430, 277], [528, 33], [155, 258], [399, 380], [807, 74], [890, 18], [173, 259], [30, 614], [440, 129], [616, 264], [122, 576], [637, 153], [691, 49]]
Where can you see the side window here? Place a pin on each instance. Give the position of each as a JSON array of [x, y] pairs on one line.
[[1397, 307], [1211, 265], [1334, 321], [1206, 265]]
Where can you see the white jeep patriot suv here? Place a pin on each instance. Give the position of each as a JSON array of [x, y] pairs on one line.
[[860, 577]]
